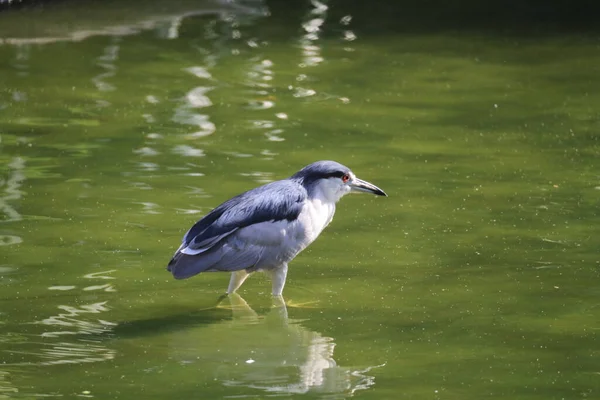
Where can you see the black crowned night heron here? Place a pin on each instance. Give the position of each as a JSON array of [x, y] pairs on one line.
[[265, 228]]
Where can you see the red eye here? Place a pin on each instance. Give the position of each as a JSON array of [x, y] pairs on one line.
[[345, 178]]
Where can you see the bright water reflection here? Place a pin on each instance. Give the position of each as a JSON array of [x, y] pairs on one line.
[[10, 188], [123, 122], [269, 352]]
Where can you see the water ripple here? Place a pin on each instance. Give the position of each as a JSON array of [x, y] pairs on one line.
[[311, 51], [196, 98], [100, 274], [199, 72], [77, 353], [12, 189], [107, 62], [186, 115], [188, 151], [6, 388], [9, 240]]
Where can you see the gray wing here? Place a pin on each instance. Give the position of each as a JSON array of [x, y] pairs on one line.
[[235, 235]]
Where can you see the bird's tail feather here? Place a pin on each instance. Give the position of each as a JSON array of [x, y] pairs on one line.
[[183, 266]]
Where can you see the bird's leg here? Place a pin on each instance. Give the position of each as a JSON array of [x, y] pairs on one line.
[[240, 309], [278, 276], [237, 278], [279, 310]]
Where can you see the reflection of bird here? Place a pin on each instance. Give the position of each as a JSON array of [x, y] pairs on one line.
[[267, 352], [266, 227]]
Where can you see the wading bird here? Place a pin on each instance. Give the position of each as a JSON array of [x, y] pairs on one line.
[[265, 228]]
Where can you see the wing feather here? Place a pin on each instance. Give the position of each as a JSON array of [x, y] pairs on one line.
[[232, 236]]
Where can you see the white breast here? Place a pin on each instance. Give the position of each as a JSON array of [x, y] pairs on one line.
[[315, 216], [281, 241]]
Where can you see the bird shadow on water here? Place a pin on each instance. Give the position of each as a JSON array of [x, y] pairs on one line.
[[268, 353], [171, 323]]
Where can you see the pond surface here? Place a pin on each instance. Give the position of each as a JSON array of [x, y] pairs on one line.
[[122, 124]]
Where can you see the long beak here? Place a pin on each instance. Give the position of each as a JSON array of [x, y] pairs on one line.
[[358, 185]]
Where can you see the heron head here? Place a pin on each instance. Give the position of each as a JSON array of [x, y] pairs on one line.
[[333, 180]]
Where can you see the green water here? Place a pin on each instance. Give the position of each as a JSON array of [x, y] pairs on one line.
[[121, 126]]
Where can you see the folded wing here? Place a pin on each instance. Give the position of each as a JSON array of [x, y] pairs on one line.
[[237, 234]]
